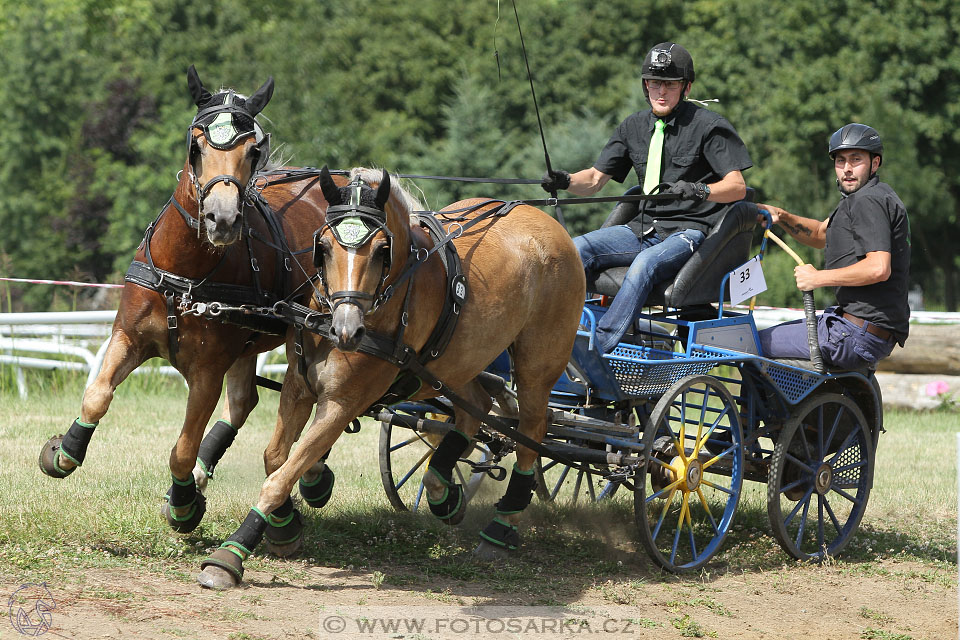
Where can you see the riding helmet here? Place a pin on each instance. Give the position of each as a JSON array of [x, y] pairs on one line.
[[667, 61], [856, 136]]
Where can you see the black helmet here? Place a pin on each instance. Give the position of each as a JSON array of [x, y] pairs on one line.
[[668, 61], [856, 136]]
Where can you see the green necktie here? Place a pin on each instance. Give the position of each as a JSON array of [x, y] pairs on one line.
[[654, 155]]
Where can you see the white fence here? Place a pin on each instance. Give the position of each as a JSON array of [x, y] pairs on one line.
[[74, 341], [77, 340]]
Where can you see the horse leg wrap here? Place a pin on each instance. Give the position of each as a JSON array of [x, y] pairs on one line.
[[519, 492], [502, 534], [450, 503], [449, 450], [214, 445], [74, 445], [284, 524], [234, 551], [317, 493], [245, 539], [181, 495]]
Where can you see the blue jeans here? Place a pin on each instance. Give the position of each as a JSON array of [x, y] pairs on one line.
[[651, 261], [843, 344]]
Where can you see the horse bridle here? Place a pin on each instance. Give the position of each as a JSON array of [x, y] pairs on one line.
[[353, 225], [228, 107]]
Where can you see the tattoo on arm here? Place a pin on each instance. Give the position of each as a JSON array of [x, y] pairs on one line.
[[796, 229]]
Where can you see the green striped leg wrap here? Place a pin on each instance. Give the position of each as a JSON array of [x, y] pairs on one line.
[[214, 445], [74, 445], [245, 539], [502, 534], [519, 492], [182, 493], [284, 524]]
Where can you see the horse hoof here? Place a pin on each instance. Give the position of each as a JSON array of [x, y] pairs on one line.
[[48, 458], [318, 493], [491, 552], [285, 550], [285, 541], [451, 509], [189, 521], [200, 478], [213, 577], [222, 570]]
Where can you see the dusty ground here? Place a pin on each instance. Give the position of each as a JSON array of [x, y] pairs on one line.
[[889, 600]]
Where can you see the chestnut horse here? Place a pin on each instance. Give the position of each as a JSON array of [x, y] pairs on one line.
[[524, 290], [210, 242]]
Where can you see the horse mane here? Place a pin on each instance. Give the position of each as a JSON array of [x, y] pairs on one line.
[[399, 196]]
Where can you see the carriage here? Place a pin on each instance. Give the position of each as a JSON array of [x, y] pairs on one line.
[[680, 414]]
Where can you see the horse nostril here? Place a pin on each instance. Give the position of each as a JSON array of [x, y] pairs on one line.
[[358, 336]]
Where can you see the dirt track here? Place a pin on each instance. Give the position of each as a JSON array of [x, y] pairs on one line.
[[889, 599]]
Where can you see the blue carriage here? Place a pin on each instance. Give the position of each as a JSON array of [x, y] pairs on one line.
[[680, 413]]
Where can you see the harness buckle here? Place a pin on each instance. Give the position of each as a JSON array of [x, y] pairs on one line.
[[551, 202], [254, 265], [171, 322], [286, 264]]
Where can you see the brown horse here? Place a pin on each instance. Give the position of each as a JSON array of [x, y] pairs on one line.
[[209, 243], [524, 291]]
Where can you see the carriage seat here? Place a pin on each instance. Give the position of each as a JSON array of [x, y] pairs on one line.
[[726, 247]]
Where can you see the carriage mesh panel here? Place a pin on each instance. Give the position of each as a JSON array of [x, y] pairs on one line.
[[792, 383], [852, 454], [643, 371]]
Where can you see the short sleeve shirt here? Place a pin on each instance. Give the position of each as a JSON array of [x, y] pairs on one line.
[[699, 146], [873, 218]]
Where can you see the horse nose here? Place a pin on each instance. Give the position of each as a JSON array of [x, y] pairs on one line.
[[346, 329]]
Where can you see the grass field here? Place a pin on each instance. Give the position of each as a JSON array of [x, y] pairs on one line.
[[107, 514]]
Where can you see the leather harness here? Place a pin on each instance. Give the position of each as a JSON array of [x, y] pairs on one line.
[[188, 290]]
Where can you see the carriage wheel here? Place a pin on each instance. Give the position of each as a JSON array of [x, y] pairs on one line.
[[559, 482], [404, 455], [688, 488], [820, 477]]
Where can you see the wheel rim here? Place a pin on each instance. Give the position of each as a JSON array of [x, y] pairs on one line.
[[688, 489], [820, 477], [404, 455]]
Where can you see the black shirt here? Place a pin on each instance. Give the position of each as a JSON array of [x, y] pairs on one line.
[[699, 146], [873, 218]]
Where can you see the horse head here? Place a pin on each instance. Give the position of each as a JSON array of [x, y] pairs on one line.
[[225, 147], [355, 250]]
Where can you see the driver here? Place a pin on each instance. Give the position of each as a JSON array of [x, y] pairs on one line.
[[696, 151], [866, 243]]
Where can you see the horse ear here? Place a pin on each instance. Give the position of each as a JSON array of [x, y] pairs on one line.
[[259, 100], [330, 190], [197, 92], [383, 191]]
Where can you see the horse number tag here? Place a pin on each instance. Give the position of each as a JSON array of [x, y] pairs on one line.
[[746, 281], [222, 130]]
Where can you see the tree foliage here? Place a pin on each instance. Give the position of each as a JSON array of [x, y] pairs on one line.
[[96, 106]]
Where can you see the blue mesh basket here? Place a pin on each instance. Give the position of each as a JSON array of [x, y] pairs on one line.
[[644, 371]]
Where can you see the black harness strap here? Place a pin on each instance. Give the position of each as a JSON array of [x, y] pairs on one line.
[[171, 285]]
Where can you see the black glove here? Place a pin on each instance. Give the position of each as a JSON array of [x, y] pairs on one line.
[[696, 191], [555, 180]]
